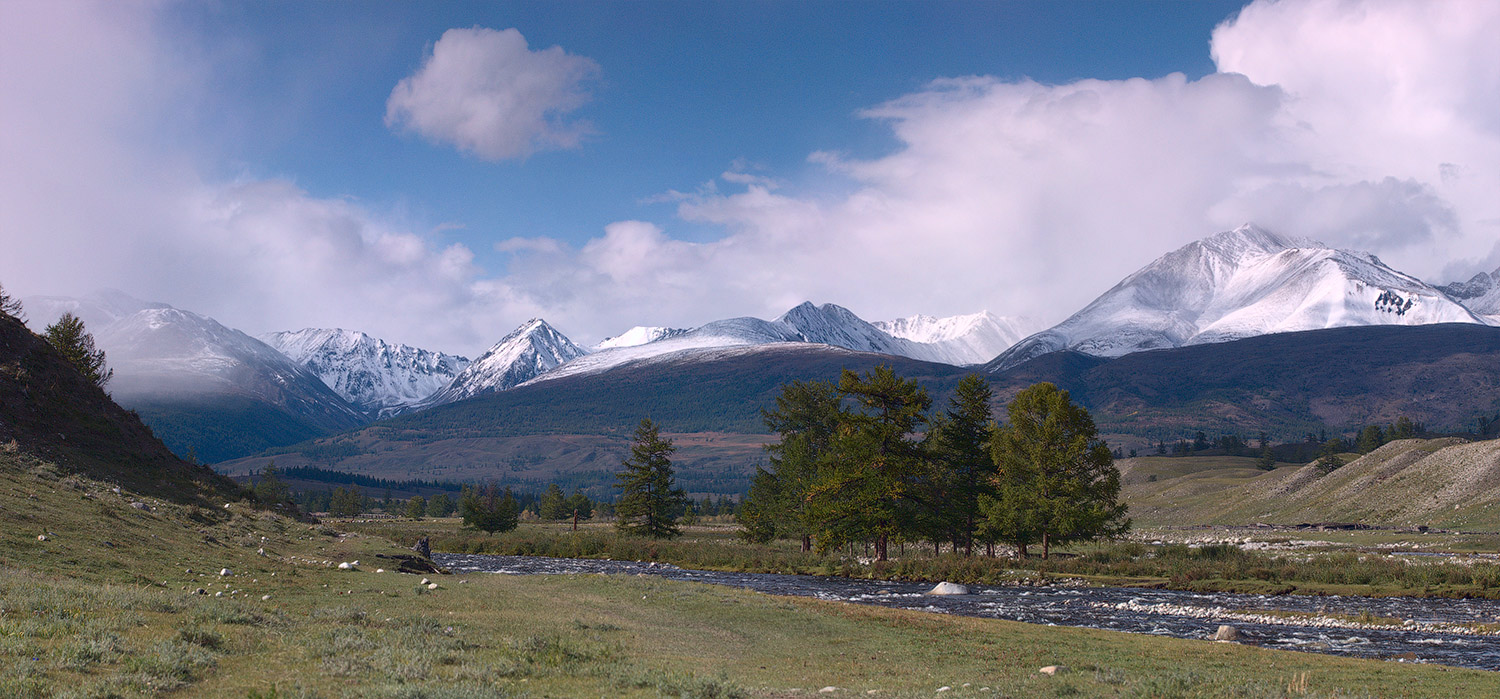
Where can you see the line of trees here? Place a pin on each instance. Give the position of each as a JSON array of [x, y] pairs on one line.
[[864, 461]]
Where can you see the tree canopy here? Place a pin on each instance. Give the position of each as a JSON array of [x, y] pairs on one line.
[[650, 501], [77, 346]]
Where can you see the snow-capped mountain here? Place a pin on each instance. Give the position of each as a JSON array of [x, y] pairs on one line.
[[974, 338], [828, 324], [526, 352], [638, 335], [200, 385], [381, 378], [1481, 294], [1239, 284]]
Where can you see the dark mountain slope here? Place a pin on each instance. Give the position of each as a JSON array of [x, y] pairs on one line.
[[49, 410], [1443, 375]]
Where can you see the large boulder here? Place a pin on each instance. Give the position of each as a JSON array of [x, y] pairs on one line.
[[948, 588], [1227, 633]]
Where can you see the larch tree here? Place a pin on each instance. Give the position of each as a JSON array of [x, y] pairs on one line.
[[11, 306], [1057, 479], [961, 450], [806, 417], [650, 500], [870, 484], [77, 346]]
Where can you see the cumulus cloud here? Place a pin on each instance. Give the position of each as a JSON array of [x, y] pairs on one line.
[[1370, 125], [489, 94]]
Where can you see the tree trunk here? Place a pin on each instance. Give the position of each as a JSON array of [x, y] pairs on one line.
[[1021, 551], [1046, 545], [882, 547], [575, 520], [806, 543]]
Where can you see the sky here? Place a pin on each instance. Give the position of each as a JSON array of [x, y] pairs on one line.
[[438, 173]]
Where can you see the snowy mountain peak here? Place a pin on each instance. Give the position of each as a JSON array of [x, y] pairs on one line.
[[1481, 294], [1238, 284], [973, 338], [638, 335], [379, 377], [531, 349]]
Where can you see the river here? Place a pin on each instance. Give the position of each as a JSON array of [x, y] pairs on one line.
[[1426, 630]]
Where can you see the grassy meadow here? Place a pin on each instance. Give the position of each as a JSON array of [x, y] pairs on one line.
[[104, 605]]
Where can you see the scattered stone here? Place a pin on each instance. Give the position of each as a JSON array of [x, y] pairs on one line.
[[141, 506], [432, 586], [1227, 633], [948, 588], [1052, 670], [424, 581], [265, 598], [41, 537], [828, 690], [380, 570], [223, 572], [345, 566], [260, 552], [200, 591], [944, 688], [220, 593]]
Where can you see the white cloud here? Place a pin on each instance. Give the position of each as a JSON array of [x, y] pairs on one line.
[[487, 93]]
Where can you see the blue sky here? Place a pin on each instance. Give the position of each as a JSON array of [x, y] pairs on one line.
[[685, 90], [437, 173]]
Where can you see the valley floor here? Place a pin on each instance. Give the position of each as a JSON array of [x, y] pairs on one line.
[[97, 599]]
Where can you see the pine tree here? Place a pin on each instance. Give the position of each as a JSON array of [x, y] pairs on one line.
[[1267, 461], [1329, 457], [580, 505], [650, 500], [1058, 481], [11, 306], [439, 505], [77, 346], [416, 507], [1370, 439]]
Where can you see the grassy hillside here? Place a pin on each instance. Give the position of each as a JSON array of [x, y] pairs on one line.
[[1447, 483], [47, 408], [104, 607]]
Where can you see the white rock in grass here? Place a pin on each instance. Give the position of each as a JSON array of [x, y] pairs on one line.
[[828, 690], [424, 581], [224, 572], [1051, 670], [948, 588], [432, 586], [41, 537], [380, 570], [345, 566], [265, 598]]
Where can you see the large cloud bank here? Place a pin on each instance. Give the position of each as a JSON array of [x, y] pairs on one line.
[[1373, 125]]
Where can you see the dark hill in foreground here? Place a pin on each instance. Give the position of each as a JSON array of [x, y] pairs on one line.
[[49, 410]]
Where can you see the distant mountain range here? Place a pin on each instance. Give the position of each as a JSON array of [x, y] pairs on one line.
[[378, 377], [224, 394]]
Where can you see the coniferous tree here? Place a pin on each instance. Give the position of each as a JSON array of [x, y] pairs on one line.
[[1058, 482], [806, 418], [1370, 439], [11, 306], [650, 500], [1329, 457], [869, 487], [77, 346], [1267, 461], [553, 505], [493, 511], [416, 507], [960, 446], [439, 505], [346, 502], [270, 489], [580, 505]]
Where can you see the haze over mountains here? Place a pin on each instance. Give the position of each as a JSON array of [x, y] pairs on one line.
[[226, 394]]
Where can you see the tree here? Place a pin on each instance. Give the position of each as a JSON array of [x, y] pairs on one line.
[[553, 505], [491, 510], [416, 507], [1267, 461], [806, 418], [960, 446], [346, 503], [1057, 481], [11, 306], [1370, 439], [270, 489], [650, 500], [77, 346], [1403, 429], [580, 505], [1329, 457], [439, 505], [870, 486]]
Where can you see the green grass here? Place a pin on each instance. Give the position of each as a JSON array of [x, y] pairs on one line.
[[88, 619]]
